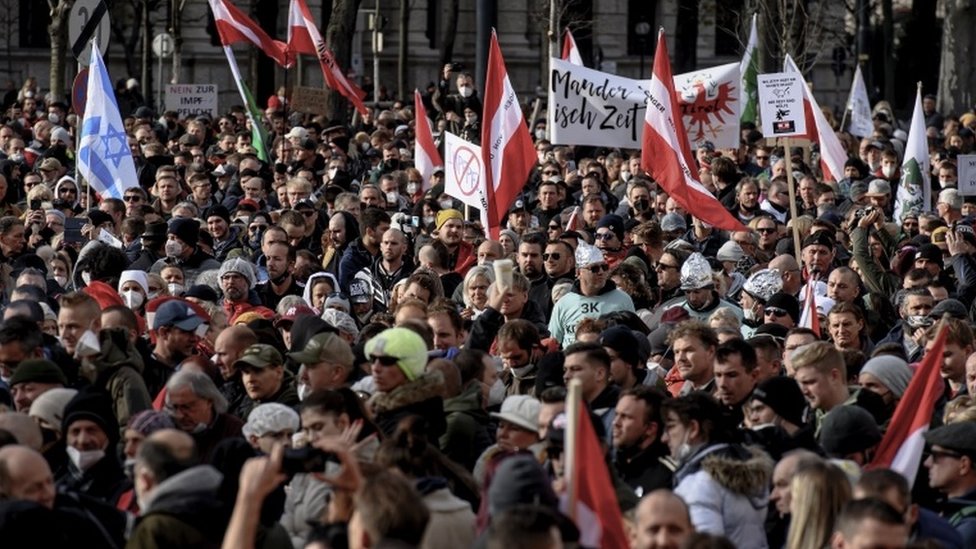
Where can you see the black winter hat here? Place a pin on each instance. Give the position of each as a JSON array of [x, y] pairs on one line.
[[94, 406], [847, 430]]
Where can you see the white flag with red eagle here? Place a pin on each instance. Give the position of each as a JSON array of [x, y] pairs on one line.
[[506, 145], [666, 153], [304, 37]]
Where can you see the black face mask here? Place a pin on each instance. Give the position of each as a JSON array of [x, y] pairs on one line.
[[641, 205]]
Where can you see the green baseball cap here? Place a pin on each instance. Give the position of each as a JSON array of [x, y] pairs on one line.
[[322, 347], [259, 355]]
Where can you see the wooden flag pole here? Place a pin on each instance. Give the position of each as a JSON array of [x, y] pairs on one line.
[[788, 156], [574, 401]]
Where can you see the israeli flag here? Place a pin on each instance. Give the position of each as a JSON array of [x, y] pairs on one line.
[[104, 158]]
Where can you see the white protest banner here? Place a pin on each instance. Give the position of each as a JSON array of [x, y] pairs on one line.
[[781, 104], [589, 107], [967, 174], [192, 99], [464, 174], [710, 105]]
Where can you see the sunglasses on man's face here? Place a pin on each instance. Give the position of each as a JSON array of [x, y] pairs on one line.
[[601, 268], [555, 256], [388, 361], [775, 311]]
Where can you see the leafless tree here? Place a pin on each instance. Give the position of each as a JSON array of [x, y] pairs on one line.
[[58, 29]]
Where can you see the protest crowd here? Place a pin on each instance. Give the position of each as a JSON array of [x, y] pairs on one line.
[[303, 340]]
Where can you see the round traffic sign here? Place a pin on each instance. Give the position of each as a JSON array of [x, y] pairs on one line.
[[162, 45], [88, 20], [79, 92]]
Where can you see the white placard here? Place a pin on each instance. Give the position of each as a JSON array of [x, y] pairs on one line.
[[464, 174], [589, 107], [781, 105], [192, 99], [967, 174]]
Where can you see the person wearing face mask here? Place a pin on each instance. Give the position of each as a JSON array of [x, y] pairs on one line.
[[140, 426], [133, 288], [452, 105], [726, 485], [182, 249], [91, 432], [755, 293]]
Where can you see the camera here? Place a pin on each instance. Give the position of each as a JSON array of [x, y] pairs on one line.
[[305, 460]]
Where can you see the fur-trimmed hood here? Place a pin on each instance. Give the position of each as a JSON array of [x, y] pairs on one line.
[[425, 387], [743, 470]]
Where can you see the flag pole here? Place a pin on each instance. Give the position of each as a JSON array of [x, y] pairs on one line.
[[574, 400], [788, 156], [843, 119]]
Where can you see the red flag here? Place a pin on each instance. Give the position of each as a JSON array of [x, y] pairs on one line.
[[570, 51], [234, 26], [666, 152], [810, 318], [304, 37], [832, 154], [903, 442], [574, 223], [594, 487], [506, 146], [425, 157]]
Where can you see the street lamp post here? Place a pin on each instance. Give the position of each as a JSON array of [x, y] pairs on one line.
[[642, 30]]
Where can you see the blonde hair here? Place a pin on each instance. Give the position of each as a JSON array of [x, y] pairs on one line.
[[818, 491], [723, 317], [960, 409], [821, 356]]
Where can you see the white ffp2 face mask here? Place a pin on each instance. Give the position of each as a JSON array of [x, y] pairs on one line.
[[84, 460], [133, 298]]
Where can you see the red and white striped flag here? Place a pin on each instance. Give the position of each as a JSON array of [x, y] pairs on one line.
[[574, 223], [903, 443], [425, 157], [570, 51], [666, 151], [506, 146], [234, 26], [832, 154], [810, 318], [304, 37]]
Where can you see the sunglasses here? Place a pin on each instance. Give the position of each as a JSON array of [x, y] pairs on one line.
[[554, 227], [662, 267], [308, 213], [766, 230], [604, 236], [601, 268], [553, 256], [387, 361], [775, 311], [550, 172]]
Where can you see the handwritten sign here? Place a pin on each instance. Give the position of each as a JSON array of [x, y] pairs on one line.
[[189, 100], [589, 107], [781, 104], [464, 174], [967, 174], [309, 100]]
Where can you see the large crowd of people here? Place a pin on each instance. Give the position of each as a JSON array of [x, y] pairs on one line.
[[325, 350]]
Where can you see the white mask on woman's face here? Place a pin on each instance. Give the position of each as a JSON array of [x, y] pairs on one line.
[[133, 298]]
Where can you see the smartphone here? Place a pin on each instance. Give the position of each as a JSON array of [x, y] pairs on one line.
[[35, 204], [72, 230]]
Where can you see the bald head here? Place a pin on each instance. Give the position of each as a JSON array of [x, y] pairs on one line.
[[789, 269], [23, 428], [663, 521], [230, 345], [26, 476], [784, 262], [179, 443], [490, 250]]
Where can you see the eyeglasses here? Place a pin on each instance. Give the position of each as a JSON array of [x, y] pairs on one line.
[[132, 198], [775, 311], [387, 361], [555, 256], [256, 228], [600, 268], [766, 229], [938, 454], [663, 267]]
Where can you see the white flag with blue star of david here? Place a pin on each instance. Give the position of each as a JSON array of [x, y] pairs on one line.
[[104, 158]]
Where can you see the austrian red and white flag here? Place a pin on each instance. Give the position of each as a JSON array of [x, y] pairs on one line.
[[304, 37], [574, 223], [506, 146], [425, 157], [234, 26], [832, 154], [810, 318], [903, 443], [570, 52], [666, 152]]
